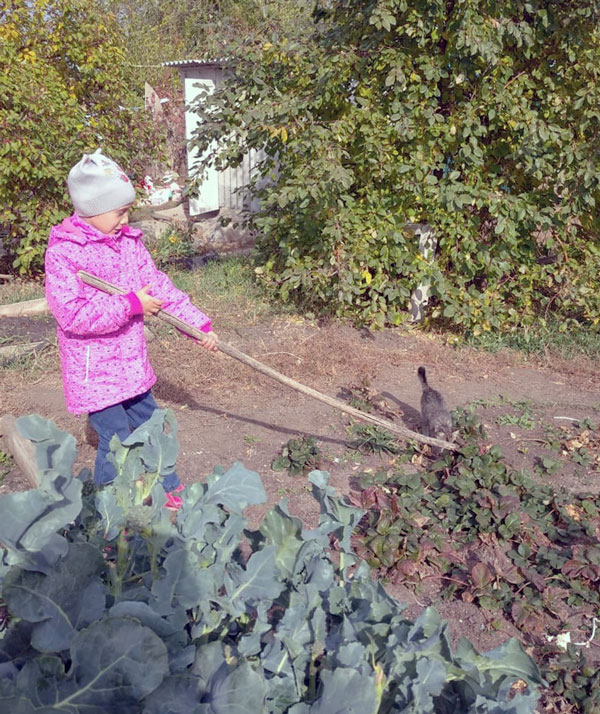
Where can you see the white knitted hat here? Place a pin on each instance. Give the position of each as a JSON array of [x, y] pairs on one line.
[[98, 185]]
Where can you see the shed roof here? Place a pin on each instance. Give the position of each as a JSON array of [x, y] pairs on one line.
[[208, 62]]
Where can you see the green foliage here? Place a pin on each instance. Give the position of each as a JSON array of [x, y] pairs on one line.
[[524, 417], [493, 536], [111, 606], [479, 118], [370, 439], [172, 247], [158, 31], [465, 420], [298, 456], [572, 675], [544, 338], [6, 463], [549, 465], [63, 92]]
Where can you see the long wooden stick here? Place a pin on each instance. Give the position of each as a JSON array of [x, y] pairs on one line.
[[269, 372]]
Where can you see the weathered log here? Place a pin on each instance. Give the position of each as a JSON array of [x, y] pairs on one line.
[[21, 449], [26, 307], [269, 372]]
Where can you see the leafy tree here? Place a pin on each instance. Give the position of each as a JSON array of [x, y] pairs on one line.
[[478, 117], [157, 31], [63, 91]]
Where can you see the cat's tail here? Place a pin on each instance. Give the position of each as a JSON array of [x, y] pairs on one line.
[[422, 377]]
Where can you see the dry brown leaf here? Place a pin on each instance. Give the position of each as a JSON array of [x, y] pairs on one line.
[[573, 512], [519, 686]]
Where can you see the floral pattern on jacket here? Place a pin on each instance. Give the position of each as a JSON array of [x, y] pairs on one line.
[[103, 353]]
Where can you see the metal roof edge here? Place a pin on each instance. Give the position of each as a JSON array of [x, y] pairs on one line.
[[208, 62]]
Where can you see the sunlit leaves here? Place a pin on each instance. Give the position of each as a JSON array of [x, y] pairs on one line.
[[479, 118], [63, 91]]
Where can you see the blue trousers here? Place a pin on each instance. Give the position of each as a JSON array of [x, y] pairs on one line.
[[122, 419]]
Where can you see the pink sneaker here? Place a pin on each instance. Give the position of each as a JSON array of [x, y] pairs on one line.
[[173, 502]]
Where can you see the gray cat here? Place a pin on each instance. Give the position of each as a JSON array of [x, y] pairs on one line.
[[435, 417]]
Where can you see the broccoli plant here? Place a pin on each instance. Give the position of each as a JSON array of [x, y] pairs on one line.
[[111, 604]]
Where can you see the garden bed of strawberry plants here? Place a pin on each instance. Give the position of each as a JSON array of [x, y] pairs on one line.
[[469, 527]]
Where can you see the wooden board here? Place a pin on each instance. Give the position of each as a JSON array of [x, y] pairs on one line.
[[21, 449], [26, 307]]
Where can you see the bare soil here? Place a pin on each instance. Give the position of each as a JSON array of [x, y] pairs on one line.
[[227, 412]]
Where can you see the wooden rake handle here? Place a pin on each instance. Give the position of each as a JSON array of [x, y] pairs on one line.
[[107, 287]]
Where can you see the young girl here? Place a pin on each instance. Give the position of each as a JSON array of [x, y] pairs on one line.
[[104, 359]]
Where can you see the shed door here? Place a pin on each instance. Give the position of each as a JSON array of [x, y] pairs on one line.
[[208, 197]]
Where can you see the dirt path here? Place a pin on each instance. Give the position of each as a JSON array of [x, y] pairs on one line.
[[228, 412]]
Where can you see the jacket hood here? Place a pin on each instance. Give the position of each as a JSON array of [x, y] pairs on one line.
[[75, 230]]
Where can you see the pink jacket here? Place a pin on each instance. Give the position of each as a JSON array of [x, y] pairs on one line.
[[101, 339]]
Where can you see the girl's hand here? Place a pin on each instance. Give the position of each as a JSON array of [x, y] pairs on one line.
[[150, 304], [210, 341]]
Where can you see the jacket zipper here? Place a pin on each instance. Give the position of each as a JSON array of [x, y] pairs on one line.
[[87, 363]]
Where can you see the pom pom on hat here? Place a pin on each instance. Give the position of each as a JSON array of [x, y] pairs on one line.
[[98, 185]]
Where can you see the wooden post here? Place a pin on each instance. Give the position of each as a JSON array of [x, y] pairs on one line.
[[21, 449]]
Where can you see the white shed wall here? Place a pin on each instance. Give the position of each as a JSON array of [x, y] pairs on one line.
[[220, 189], [208, 196]]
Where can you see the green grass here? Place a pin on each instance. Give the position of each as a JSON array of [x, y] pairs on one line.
[[32, 366], [6, 463], [227, 291], [18, 290], [520, 413], [551, 338]]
